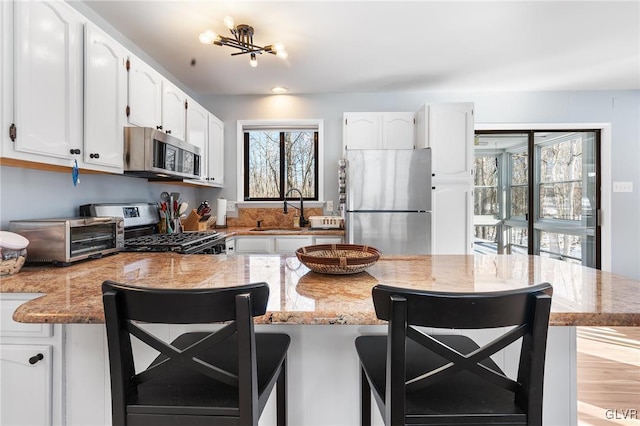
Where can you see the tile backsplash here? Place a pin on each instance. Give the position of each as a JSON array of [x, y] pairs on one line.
[[269, 216]]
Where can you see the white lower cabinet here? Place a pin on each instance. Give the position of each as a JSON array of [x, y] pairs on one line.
[[30, 368], [276, 244]]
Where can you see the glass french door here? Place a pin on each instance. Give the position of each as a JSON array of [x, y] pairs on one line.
[[537, 192]]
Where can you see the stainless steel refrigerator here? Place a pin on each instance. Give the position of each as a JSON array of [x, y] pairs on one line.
[[388, 203]]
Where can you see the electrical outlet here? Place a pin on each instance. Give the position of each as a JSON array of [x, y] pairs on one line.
[[330, 206], [622, 186], [231, 206]]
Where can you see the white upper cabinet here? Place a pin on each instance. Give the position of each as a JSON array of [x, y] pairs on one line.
[[6, 73], [105, 99], [197, 131], [448, 129], [144, 94], [174, 110], [398, 130], [216, 152], [48, 83], [378, 130], [362, 130]]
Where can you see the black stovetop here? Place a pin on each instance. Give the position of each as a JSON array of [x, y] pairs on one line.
[[185, 242]]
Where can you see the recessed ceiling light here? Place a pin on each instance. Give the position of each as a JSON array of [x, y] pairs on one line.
[[279, 90]]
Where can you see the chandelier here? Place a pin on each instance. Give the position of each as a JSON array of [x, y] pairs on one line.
[[243, 41]]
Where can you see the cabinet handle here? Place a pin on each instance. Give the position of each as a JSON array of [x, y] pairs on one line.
[[74, 151], [168, 132], [96, 155], [34, 359], [159, 127]]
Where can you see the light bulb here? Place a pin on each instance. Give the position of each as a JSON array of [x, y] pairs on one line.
[[207, 37], [278, 47], [228, 21], [253, 61], [279, 90], [282, 54]]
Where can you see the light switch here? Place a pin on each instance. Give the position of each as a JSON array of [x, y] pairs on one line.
[[330, 206], [622, 186]]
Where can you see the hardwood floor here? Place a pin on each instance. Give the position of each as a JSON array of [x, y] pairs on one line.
[[608, 376]]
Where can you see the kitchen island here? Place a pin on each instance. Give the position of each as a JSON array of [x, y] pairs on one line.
[[322, 313]]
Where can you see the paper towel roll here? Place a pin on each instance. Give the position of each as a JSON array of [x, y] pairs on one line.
[[221, 215]]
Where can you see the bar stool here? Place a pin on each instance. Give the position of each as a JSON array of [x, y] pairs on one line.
[[214, 378], [420, 377]]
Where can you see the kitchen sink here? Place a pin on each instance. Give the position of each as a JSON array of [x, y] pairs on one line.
[[276, 229]]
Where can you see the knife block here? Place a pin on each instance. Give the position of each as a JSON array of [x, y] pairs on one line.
[[195, 222]]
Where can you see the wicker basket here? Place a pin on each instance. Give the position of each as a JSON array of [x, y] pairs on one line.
[[338, 259]]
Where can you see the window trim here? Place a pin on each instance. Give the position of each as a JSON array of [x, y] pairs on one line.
[[242, 125]]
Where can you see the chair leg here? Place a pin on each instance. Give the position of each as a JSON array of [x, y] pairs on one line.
[[281, 395], [365, 400]]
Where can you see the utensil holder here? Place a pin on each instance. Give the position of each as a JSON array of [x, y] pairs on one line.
[[195, 222]]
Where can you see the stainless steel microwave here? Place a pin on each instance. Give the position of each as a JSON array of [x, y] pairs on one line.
[[66, 240], [153, 153]]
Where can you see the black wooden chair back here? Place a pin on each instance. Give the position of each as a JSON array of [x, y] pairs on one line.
[[417, 360], [215, 376]]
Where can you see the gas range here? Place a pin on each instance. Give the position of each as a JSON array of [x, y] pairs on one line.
[[141, 230], [185, 243]]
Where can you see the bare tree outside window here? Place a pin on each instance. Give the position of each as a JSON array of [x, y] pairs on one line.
[[563, 185], [276, 161]]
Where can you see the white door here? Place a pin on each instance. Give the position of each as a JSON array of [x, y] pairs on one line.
[[174, 113], [450, 130], [105, 99], [145, 94], [48, 79], [452, 219], [25, 380]]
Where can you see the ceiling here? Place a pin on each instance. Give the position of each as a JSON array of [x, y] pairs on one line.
[[391, 46]]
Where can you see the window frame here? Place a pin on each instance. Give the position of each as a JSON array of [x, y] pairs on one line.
[[316, 125], [532, 221]]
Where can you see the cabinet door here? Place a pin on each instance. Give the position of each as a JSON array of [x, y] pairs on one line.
[[6, 76], [289, 245], [398, 130], [174, 112], [452, 219], [362, 130], [256, 245], [216, 151], [197, 132], [48, 79], [105, 99], [144, 94], [26, 384], [450, 135]]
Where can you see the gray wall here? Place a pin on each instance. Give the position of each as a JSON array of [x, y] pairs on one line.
[[620, 108], [31, 194]]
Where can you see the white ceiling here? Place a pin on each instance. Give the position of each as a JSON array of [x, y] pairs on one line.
[[389, 46]]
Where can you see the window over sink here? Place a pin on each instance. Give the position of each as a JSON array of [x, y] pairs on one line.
[[278, 155]]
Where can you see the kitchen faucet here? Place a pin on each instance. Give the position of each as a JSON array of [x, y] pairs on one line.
[[303, 221]]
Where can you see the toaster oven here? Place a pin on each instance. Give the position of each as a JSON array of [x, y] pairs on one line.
[[67, 240]]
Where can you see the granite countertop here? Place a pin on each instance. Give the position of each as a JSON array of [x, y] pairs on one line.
[[582, 296]]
